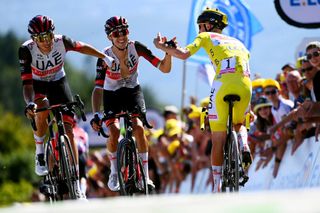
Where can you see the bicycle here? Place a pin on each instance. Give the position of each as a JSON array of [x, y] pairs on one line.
[[131, 174], [233, 174], [59, 155]]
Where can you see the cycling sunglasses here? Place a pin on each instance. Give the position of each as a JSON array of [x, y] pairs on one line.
[[46, 36], [306, 69], [314, 54], [119, 32], [271, 92]]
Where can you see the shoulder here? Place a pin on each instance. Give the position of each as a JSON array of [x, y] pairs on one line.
[[204, 35], [137, 44], [287, 103]]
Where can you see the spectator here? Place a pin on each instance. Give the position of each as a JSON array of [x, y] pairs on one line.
[[260, 137], [257, 90], [280, 108]]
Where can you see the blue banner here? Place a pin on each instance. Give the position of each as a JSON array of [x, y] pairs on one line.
[[242, 23]]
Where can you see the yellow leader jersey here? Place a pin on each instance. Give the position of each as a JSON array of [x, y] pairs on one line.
[[227, 54]]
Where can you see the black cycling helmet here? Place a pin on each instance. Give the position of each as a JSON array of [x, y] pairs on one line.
[[40, 24], [215, 17], [115, 22]]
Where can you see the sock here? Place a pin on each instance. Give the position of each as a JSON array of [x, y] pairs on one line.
[[144, 157], [113, 162], [216, 173], [39, 144], [243, 139]]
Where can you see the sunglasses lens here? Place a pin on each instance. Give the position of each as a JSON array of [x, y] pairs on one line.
[[118, 33], [315, 54], [271, 92], [306, 69], [44, 37]]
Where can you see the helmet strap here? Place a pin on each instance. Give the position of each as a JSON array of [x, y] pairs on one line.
[[210, 29]]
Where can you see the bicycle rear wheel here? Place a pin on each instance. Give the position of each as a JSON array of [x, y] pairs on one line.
[[234, 154], [67, 165]]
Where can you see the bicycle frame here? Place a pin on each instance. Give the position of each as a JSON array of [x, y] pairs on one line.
[[131, 174], [231, 162], [60, 157]]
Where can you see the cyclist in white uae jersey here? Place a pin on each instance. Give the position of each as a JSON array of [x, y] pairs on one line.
[[121, 91], [43, 77]]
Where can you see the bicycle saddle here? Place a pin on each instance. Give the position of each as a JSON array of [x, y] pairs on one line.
[[232, 98]]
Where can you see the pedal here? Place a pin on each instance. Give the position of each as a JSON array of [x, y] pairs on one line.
[[245, 179], [46, 189]]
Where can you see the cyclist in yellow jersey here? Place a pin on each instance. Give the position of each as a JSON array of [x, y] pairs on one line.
[[230, 59]]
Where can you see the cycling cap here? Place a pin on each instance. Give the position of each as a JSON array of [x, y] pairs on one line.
[[195, 112], [214, 17], [258, 82], [205, 102], [114, 23], [313, 44], [271, 83], [261, 102], [171, 109], [40, 24]]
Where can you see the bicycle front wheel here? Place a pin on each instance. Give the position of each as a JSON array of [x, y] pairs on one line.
[[124, 166], [50, 181]]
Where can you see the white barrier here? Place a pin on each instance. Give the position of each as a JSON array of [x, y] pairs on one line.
[[300, 170]]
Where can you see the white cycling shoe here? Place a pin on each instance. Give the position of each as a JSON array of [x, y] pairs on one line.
[[113, 182], [40, 165]]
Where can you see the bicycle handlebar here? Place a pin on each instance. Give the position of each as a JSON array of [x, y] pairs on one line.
[[142, 117], [77, 103]]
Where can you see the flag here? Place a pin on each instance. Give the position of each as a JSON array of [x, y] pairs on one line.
[[206, 73], [242, 23]]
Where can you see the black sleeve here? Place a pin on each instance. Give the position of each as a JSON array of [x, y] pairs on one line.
[[143, 51], [101, 73], [25, 60], [70, 44]]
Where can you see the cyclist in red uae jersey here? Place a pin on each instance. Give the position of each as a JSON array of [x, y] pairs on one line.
[[44, 82], [119, 86]]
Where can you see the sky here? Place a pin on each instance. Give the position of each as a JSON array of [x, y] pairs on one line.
[[84, 20]]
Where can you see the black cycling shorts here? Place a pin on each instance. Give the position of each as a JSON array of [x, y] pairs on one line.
[[57, 92], [123, 99]]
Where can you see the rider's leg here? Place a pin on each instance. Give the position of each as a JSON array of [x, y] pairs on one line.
[[39, 136], [142, 144], [114, 133], [218, 139], [242, 134], [41, 123], [243, 144]]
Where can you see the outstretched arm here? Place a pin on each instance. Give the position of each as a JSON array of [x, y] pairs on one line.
[[165, 64]]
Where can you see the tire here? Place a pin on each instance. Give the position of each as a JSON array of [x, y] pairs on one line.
[[141, 179], [131, 174], [123, 159], [67, 165], [234, 153], [50, 181]]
